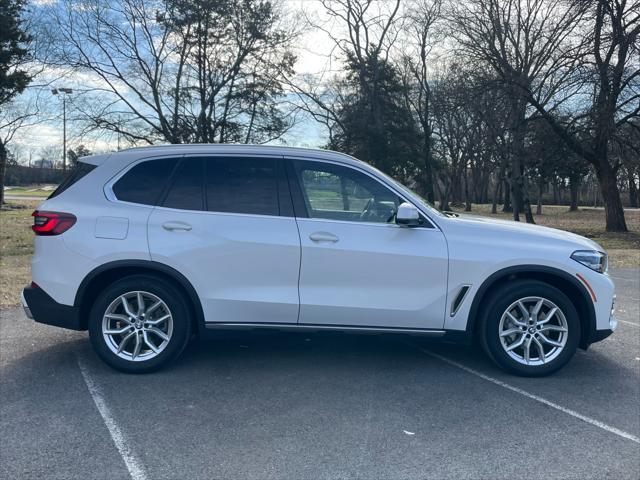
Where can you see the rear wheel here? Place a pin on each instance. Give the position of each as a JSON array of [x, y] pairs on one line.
[[530, 328], [139, 324]]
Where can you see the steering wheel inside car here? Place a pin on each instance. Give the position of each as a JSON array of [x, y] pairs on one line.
[[377, 212]]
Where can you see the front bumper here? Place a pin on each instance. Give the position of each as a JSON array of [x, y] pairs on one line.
[[43, 309], [600, 335]]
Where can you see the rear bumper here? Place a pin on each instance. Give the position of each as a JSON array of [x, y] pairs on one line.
[[43, 309]]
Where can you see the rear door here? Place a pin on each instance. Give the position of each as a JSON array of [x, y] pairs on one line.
[[359, 267], [226, 223]]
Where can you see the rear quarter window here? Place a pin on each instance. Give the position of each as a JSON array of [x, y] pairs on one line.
[[145, 182], [81, 170]]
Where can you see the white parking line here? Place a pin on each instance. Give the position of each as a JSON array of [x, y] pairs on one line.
[[629, 323], [537, 398], [133, 464], [624, 279]]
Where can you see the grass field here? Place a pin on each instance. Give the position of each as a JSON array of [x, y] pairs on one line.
[[16, 246], [16, 239]]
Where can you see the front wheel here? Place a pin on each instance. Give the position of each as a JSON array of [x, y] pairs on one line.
[[139, 324], [530, 328]]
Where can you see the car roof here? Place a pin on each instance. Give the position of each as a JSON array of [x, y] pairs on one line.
[[222, 148], [136, 153]]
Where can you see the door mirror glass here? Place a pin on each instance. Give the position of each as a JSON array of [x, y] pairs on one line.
[[407, 215]]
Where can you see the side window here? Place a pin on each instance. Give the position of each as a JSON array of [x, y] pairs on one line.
[[186, 191], [242, 185], [341, 193], [145, 182]]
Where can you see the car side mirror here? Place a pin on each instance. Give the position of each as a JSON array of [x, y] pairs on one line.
[[407, 215]]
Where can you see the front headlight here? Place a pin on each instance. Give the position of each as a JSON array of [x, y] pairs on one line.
[[593, 259]]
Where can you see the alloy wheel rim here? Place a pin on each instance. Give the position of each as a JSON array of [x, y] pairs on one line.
[[533, 331], [137, 326]]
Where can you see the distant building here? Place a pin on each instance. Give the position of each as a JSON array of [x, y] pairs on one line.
[[44, 163]]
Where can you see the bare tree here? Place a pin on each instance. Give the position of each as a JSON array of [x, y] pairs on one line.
[[362, 33], [463, 127], [489, 108], [370, 29], [15, 75], [611, 65], [321, 98], [520, 40], [177, 70], [14, 117], [421, 22], [626, 150]]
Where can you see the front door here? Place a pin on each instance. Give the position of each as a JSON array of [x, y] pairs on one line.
[[359, 268], [226, 224]]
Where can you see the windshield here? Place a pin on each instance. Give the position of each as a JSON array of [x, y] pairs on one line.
[[407, 190]]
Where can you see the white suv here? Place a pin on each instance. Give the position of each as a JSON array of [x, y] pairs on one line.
[[149, 246]]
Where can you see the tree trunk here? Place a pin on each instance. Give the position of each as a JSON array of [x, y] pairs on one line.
[[633, 189], [496, 194], [500, 186], [467, 196], [3, 167], [438, 190], [477, 180], [428, 167], [444, 198], [519, 191], [611, 197], [485, 189], [540, 188], [574, 185], [506, 203], [516, 192], [519, 194], [454, 189], [528, 213]]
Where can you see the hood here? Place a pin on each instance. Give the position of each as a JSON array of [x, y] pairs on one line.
[[533, 232]]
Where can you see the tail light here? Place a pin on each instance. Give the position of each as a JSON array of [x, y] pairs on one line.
[[52, 223]]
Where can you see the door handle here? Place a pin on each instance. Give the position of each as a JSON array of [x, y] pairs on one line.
[[176, 226], [323, 237]]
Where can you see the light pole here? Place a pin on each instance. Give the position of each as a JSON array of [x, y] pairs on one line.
[[64, 92]]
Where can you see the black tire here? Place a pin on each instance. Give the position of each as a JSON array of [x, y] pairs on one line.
[[496, 305], [164, 290]]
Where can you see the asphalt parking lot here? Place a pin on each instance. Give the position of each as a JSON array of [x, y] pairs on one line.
[[316, 406]]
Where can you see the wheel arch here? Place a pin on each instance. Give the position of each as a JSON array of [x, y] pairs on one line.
[[560, 279], [106, 274]]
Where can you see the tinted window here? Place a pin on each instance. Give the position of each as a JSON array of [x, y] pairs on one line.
[[242, 185], [341, 193], [185, 191], [145, 182], [76, 174]]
